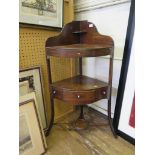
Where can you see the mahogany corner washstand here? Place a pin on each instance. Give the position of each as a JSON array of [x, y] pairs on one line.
[[80, 39]]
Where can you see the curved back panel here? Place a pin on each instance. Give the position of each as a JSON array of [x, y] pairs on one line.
[[77, 32]]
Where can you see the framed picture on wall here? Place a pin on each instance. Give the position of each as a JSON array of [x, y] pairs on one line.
[[31, 137], [41, 12], [30, 80]]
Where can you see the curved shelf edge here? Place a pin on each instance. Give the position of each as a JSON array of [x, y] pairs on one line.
[[80, 90], [79, 50]]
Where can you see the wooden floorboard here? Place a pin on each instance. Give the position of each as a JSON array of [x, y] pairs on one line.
[[96, 140]]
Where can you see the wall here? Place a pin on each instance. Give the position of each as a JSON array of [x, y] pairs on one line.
[[32, 53], [110, 19]]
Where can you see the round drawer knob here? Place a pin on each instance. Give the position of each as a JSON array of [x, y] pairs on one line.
[[54, 92], [78, 96], [104, 92]]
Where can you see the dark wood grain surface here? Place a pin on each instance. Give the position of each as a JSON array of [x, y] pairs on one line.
[[80, 83], [79, 50], [80, 90]]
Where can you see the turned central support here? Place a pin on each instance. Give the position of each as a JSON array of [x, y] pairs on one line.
[[81, 112], [81, 123]]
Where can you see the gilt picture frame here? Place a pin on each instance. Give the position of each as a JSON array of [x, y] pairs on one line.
[[46, 13], [33, 77], [31, 138]]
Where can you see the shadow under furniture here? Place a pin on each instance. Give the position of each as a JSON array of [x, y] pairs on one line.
[[80, 39]]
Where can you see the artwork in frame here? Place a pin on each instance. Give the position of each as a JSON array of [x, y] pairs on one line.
[[31, 137], [132, 114], [24, 88], [41, 12], [25, 141], [31, 78]]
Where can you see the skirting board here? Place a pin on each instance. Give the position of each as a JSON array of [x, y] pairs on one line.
[[103, 111]]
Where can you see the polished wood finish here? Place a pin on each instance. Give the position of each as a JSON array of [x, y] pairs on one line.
[[69, 35], [51, 95], [80, 39], [80, 90], [79, 50], [80, 83]]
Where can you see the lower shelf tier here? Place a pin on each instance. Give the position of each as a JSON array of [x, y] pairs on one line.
[[80, 90]]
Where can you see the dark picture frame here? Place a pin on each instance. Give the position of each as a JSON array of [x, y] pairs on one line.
[[34, 77], [124, 72]]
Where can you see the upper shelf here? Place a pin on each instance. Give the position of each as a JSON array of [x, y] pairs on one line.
[[79, 50], [79, 39]]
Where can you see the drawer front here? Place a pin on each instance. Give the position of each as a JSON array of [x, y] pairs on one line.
[[80, 97]]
